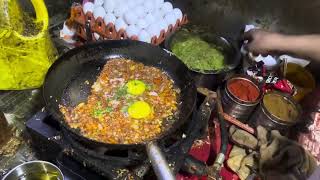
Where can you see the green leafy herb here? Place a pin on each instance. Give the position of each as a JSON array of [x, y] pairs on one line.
[[122, 91], [130, 102], [124, 109], [128, 96], [149, 87], [108, 110], [99, 111]]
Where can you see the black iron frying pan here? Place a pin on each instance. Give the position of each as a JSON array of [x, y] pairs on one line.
[[65, 80]]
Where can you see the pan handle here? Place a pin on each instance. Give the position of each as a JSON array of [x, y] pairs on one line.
[[159, 162], [157, 158], [202, 117]]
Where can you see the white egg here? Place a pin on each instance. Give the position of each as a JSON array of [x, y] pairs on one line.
[[99, 12], [132, 30], [88, 7], [157, 15], [96, 35], [149, 19], [140, 11], [170, 18], [139, 2], [67, 31], [144, 36], [178, 13], [162, 13], [141, 23], [130, 17], [163, 25], [120, 10], [154, 29], [98, 3], [148, 6], [109, 18], [109, 5], [166, 7], [131, 3], [120, 24], [158, 3]]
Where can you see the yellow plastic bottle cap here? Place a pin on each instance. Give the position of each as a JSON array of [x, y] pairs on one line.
[[136, 87], [139, 110]]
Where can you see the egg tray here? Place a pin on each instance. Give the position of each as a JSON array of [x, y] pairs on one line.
[[86, 25]]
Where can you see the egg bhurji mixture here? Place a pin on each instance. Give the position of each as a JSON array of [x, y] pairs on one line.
[[129, 103]]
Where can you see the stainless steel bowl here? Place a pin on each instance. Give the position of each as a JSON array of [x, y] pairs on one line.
[[264, 118], [35, 170], [234, 106]]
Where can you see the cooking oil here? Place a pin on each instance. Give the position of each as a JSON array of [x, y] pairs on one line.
[[26, 50], [40, 176]]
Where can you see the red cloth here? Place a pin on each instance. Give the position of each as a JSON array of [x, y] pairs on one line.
[[206, 150]]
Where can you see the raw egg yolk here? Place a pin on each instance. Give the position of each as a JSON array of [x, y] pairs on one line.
[[139, 110], [136, 87]]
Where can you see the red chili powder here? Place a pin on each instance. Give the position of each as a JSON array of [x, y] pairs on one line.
[[244, 90]]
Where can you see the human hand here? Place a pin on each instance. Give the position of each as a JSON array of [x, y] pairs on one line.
[[262, 42]]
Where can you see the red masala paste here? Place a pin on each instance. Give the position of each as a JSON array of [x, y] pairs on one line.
[[244, 90]]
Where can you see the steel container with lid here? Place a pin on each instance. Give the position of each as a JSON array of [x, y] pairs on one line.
[[236, 107], [270, 120]]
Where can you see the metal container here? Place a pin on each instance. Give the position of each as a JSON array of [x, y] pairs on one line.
[[35, 170], [236, 107], [266, 119]]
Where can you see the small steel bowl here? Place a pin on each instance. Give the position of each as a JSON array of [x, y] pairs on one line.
[[263, 117], [34, 170], [236, 107]]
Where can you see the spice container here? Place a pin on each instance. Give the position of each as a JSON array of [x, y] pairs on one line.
[[301, 78], [240, 97], [277, 111]]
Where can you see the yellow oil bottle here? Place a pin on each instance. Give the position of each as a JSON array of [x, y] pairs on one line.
[[26, 50]]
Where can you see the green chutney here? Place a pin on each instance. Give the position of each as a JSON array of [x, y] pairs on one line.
[[198, 54]]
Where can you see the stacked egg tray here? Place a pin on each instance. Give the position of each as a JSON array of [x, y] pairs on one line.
[[86, 25]]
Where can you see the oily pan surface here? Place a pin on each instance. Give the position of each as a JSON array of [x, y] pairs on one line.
[[106, 117]]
